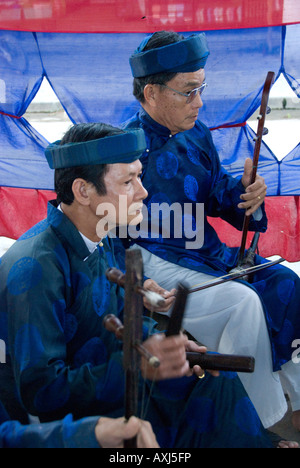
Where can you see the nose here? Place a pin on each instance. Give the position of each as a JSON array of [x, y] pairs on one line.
[[141, 192], [197, 102]]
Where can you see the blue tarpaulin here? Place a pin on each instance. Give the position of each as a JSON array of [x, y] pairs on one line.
[[82, 48], [91, 77]]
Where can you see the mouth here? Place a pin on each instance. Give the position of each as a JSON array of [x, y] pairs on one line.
[[192, 117]]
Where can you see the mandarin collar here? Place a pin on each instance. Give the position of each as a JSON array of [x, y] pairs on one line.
[[155, 126], [66, 230]]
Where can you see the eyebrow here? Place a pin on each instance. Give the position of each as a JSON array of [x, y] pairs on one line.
[[194, 84], [133, 173]]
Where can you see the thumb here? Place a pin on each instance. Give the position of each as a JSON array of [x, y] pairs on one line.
[[131, 427], [246, 179]]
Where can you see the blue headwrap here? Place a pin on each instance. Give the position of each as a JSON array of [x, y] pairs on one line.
[[187, 55], [121, 148]]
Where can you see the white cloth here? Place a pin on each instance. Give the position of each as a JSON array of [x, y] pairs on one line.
[[91, 245], [229, 319]]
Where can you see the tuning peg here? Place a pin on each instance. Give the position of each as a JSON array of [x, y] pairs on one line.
[[268, 110], [265, 131]]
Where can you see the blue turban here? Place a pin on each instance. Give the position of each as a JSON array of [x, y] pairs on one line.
[[121, 148], [187, 55]]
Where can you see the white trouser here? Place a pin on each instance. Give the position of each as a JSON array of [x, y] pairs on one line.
[[229, 319]]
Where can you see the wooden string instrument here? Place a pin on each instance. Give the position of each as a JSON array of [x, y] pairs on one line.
[[209, 361], [261, 130]]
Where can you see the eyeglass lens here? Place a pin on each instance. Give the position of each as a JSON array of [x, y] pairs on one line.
[[194, 93]]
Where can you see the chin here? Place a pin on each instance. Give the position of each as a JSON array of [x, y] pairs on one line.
[[189, 125]]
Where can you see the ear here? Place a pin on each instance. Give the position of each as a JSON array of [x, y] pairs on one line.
[[151, 92], [81, 191]]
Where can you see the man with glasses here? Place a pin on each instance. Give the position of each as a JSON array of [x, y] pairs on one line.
[[181, 166]]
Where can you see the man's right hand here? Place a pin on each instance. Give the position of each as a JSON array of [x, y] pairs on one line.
[[111, 433]]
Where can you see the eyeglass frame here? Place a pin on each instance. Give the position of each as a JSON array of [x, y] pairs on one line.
[[200, 89]]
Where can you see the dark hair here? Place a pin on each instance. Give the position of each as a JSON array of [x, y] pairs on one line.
[[64, 178], [158, 39]]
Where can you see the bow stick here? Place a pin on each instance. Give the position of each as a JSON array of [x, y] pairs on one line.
[[235, 274], [260, 132], [116, 276]]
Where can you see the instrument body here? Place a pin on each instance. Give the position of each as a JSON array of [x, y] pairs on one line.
[[209, 361], [133, 317]]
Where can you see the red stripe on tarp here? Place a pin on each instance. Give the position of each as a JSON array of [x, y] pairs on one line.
[[242, 124], [116, 16], [23, 208], [283, 234], [11, 115]]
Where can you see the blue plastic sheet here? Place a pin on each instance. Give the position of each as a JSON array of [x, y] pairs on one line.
[[91, 77]]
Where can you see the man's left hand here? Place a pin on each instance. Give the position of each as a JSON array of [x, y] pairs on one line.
[[255, 193], [192, 346]]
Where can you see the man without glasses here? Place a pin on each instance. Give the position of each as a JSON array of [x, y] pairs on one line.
[[54, 294]]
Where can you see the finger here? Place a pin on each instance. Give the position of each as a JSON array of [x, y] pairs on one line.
[[171, 293], [151, 285], [252, 209], [194, 347], [259, 183], [248, 166], [252, 201], [146, 436], [175, 372], [130, 428], [254, 191], [197, 370], [252, 205], [167, 304], [111, 433], [166, 370]]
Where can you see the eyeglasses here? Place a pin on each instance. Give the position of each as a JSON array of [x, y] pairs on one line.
[[192, 94]]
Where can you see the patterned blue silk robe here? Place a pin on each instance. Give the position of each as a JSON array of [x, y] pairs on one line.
[[53, 296], [57, 434], [185, 169]]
